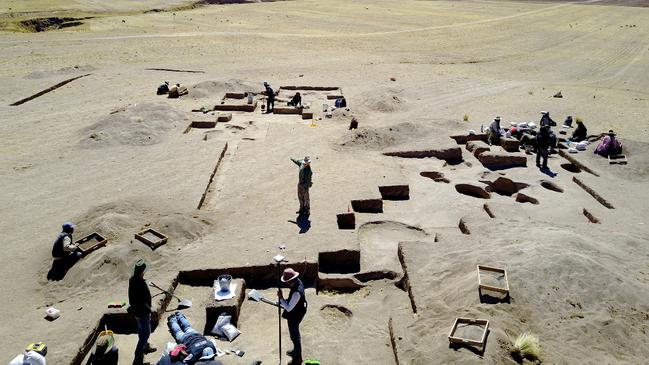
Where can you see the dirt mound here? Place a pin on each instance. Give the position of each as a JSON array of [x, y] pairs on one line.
[[379, 138], [118, 222], [41, 74], [216, 88], [138, 125], [388, 100]]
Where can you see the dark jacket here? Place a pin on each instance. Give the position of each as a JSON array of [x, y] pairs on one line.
[[270, 93], [139, 296], [196, 343], [543, 139], [109, 358], [580, 133], [57, 248], [300, 308], [166, 360], [546, 120], [305, 174]]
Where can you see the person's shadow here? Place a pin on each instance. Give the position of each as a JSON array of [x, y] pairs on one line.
[[303, 222], [60, 267]]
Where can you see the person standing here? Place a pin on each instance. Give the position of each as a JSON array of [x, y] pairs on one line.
[[543, 143], [303, 185], [139, 298], [294, 311], [270, 98], [493, 133]]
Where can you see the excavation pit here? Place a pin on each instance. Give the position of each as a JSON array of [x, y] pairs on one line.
[[435, 176], [339, 262], [255, 277], [151, 238], [203, 124], [473, 191], [338, 283], [367, 205], [287, 110], [464, 138], [505, 186], [523, 198], [452, 155], [376, 275], [214, 308], [346, 221], [571, 168], [395, 192], [551, 186], [334, 311], [91, 243]]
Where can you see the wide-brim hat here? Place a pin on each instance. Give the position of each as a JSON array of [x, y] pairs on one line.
[[543, 112], [307, 159], [207, 354], [497, 118], [289, 275], [67, 225], [611, 133], [140, 266]]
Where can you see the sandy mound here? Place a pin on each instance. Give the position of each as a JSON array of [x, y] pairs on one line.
[[215, 88], [41, 74], [386, 100], [118, 222], [138, 125], [379, 138]]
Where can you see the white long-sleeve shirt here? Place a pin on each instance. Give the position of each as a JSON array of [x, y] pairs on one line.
[[291, 303], [68, 245]]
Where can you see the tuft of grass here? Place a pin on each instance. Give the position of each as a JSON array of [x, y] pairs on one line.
[[530, 92], [465, 118], [527, 347]]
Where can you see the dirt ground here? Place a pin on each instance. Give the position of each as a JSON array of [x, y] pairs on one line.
[[107, 153]]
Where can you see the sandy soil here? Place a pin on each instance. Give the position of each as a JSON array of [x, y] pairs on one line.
[[107, 153]]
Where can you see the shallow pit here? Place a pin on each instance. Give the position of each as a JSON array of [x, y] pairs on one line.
[[524, 198], [473, 191], [571, 167], [551, 186], [337, 312], [435, 176]]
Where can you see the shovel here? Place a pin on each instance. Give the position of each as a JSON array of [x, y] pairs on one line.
[[182, 303], [258, 296]]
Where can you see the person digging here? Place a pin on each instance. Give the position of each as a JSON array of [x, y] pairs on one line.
[[303, 185], [294, 311], [139, 298]]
